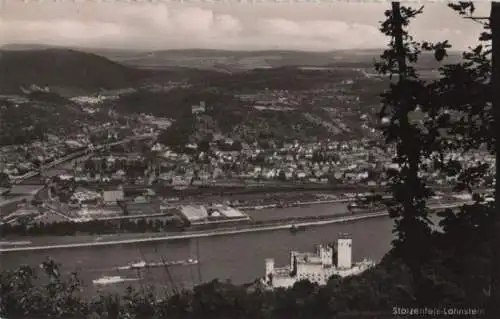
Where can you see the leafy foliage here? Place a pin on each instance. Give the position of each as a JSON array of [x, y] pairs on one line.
[[96, 227], [25, 294], [409, 191], [456, 119], [21, 293]]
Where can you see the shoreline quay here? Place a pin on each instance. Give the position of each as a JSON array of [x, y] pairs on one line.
[[199, 234], [219, 232], [296, 204]]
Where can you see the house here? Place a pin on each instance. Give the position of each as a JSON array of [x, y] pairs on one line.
[[198, 109], [300, 175], [113, 195]]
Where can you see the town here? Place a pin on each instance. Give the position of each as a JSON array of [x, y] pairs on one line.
[[100, 173], [181, 161]]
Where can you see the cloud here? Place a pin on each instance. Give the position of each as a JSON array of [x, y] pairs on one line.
[[156, 26], [59, 32], [325, 34]]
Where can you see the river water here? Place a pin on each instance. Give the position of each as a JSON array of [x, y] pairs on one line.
[[239, 258]]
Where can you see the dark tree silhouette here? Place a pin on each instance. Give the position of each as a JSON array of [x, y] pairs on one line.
[[409, 192], [494, 309]]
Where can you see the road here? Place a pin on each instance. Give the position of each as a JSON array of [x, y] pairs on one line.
[[223, 232]]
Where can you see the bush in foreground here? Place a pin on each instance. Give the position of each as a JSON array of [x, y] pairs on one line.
[[24, 293]]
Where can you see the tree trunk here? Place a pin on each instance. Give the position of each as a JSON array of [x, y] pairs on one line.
[[411, 178], [494, 307]]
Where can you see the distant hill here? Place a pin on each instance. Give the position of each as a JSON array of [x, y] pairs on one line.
[[219, 59], [232, 61], [62, 68], [69, 72], [222, 60]]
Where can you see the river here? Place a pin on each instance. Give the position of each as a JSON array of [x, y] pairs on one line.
[[239, 258]]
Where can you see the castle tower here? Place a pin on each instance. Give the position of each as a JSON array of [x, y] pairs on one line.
[[326, 255], [293, 263], [344, 252], [292, 258], [269, 267]]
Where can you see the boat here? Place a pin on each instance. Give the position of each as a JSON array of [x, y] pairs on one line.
[[283, 204], [106, 280], [142, 264], [190, 261], [358, 207], [294, 229], [137, 265]]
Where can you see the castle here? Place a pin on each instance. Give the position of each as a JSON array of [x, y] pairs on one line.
[[316, 267]]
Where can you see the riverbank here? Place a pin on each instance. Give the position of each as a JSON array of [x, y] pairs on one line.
[[296, 204], [131, 238], [195, 234], [237, 257]]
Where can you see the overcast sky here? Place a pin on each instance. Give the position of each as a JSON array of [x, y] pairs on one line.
[[230, 25]]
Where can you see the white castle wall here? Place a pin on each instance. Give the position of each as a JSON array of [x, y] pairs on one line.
[[317, 268], [315, 275], [344, 253], [283, 282]]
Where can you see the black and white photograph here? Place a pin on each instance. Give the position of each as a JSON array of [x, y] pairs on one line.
[[249, 159]]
